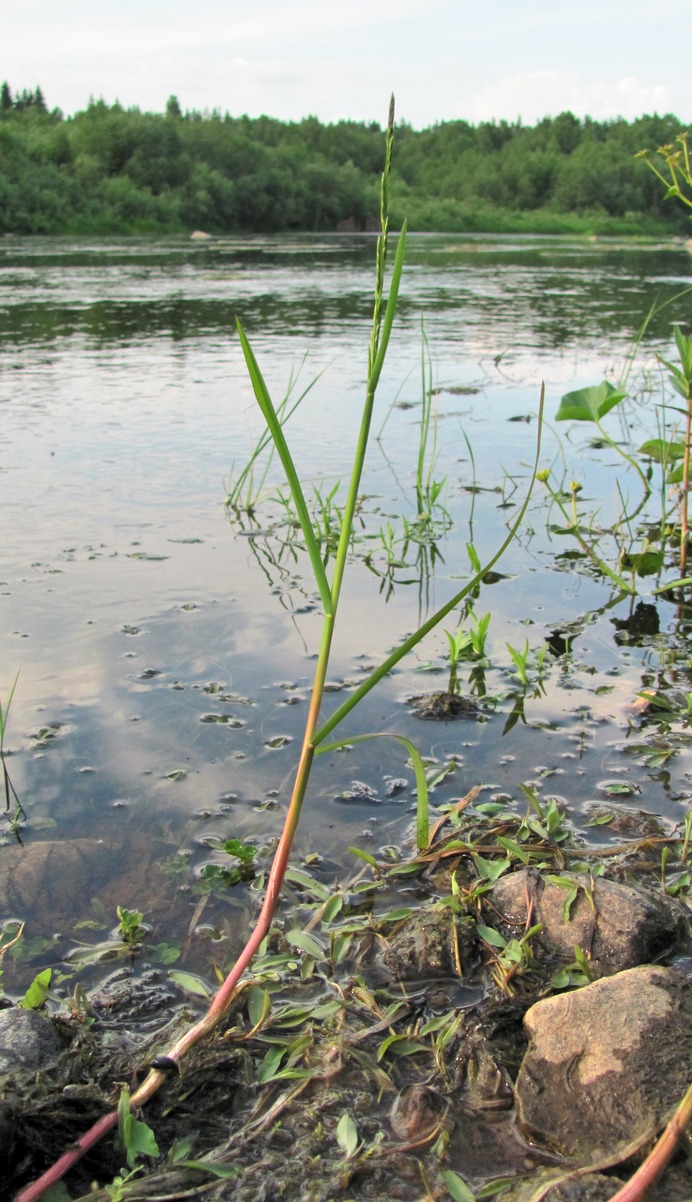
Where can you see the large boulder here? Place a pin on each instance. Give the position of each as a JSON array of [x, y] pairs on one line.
[[607, 1064]]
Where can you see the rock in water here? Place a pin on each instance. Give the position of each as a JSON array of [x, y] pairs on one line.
[[607, 1064], [622, 928]]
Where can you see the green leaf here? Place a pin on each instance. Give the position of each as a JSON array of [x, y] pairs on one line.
[[165, 953], [273, 422], [347, 1135], [136, 1137], [488, 935], [269, 1065], [395, 915], [309, 883], [399, 1045], [589, 404], [644, 563], [189, 983], [259, 1005], [57, 1193], [306, 943], [662, 451], [332, 908], [514, 849], [37, 992], [206, 1166], [457, 1187], [489, 870], [363, 855]]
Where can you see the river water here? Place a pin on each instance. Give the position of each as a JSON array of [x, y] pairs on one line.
[[165, 647]]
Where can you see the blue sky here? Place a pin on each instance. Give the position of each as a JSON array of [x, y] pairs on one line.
[[443, 59]]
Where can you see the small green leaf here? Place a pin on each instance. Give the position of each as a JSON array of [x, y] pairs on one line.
[[318, 890], [662, 451], [396, 915], [269, 1066], [363, 855], [457, 1187], [489, 870], [206, 1166], [57, 1193], [305, 943], [190, 984], [399, 1045], [332, 908], [488, 935], [259, 1005], [347, 1135], [136, 1137], [37, 992]]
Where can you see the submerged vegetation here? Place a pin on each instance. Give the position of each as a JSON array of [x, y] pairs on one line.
[[113, 170]]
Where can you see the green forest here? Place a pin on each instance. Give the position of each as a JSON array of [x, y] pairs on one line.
[[111, 170]]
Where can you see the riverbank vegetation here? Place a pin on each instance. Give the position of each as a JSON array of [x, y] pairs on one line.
[[113, 170]]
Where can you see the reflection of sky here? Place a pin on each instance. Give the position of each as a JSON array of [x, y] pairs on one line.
[[119, 434]]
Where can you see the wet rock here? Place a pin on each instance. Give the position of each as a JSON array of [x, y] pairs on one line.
[[607, 1064], [486, 1082], [134, 1001], [624, 927], [426, 945], [50, 880], [28, 1042], [443, 707], [416, 1111]]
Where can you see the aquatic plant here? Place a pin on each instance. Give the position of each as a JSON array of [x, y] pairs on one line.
[[675, 172], [641, 539], [317, 729]]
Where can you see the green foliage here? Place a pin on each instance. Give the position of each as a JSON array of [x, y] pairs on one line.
[[38, 990], [130, 927], [589, 404], [672, 167], [113, 170], [136, 1138]]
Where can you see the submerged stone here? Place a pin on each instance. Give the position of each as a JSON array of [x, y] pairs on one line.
[[606, 1065], [28, 1042]]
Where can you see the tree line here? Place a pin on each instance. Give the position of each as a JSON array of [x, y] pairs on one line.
[[108, 169]]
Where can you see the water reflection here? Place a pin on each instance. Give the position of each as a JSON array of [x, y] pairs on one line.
[[556, 293], [166, 653]]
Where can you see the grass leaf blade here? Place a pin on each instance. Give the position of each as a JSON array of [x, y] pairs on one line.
[[270, 416]]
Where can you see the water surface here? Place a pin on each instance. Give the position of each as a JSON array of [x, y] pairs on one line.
[[165, 652]]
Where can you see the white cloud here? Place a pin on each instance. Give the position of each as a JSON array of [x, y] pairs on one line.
[[532, 95]]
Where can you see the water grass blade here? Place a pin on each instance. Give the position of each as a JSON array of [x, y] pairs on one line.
[[275, 427], [390, 311], [422, 796], [283, 413]]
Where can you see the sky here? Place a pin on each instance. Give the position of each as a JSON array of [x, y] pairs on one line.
[[443, 59]]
